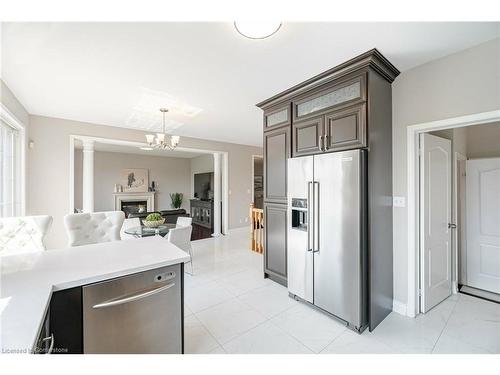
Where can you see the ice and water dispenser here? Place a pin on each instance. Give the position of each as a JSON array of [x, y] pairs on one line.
[[299, 214]]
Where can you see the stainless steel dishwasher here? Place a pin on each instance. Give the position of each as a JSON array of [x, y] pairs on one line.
[[138, 313]]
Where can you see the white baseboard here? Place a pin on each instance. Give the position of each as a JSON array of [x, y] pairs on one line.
[[399, 307]]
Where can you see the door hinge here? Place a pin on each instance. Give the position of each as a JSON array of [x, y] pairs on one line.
[[420, 292]]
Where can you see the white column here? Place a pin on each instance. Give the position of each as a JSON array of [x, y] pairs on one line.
[[217, 194], [88, 176], [225, 193]]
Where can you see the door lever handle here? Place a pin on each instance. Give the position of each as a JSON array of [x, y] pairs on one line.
[[452, 226]]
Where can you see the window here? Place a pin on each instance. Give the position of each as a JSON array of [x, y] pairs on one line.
[[11, 202]]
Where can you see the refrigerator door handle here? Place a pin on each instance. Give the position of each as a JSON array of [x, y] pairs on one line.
[[309, 216], [316, 217]]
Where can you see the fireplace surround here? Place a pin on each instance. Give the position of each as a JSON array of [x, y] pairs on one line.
[[133, 202]]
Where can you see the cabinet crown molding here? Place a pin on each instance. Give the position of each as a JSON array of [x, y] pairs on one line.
[[370, 59]]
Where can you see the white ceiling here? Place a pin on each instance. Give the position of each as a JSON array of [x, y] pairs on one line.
[[107, 147], [120, 74]]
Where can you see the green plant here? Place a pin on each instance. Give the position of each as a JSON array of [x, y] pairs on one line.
[[176, 199], [154, 217]]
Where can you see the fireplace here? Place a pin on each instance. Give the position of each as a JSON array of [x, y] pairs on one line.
[[134, 207], [134, 202]]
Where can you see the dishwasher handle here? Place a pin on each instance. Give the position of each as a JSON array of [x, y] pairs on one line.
[[133, 297]]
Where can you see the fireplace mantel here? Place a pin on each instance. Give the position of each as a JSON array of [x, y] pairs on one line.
[[149, 197]]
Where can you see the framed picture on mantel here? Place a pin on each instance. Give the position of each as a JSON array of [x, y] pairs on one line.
[[135, 180]]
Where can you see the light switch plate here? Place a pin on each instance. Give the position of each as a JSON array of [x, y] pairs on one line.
[[399, 201]]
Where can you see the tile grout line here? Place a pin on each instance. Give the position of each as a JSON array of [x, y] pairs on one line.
[[266, 320], [210, 333], [227, 300], [334, 339], [292, 336], [242, 333], [444, 327]]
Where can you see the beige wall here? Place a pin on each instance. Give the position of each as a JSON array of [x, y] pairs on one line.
[[171, 175], [460, 84], [48, 166], [483, 141], [460, 141]]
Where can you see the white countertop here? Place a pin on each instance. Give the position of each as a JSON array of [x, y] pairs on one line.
[[28, 280]]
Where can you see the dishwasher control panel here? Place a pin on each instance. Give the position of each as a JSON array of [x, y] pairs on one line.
[[165, 276]]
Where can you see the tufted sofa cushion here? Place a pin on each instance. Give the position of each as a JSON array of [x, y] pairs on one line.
[[23, 233], [89, 228]]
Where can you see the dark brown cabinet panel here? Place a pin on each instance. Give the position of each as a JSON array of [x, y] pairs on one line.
[[200, 232], [275, 257], [307, 136], [276, 152], [346, 129]]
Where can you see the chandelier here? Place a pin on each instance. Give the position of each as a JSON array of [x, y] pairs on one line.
[[162, 141]]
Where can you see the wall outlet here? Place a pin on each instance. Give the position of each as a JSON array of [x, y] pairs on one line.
[[399, 201]]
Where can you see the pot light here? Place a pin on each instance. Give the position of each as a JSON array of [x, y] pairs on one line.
[[257, 30]]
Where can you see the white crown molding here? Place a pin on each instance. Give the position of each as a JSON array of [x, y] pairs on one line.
[[9, 118]]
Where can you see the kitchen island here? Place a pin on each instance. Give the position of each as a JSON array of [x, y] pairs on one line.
[[29, 281]]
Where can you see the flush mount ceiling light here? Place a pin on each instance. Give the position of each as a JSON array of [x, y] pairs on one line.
[[161, 141], [257, 30]]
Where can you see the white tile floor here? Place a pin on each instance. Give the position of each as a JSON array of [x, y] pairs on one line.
[[230, 308]]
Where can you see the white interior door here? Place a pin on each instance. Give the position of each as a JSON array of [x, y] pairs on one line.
[[435, 215], [483, 224]]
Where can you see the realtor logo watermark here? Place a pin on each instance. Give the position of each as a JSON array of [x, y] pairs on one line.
[[37, 350]]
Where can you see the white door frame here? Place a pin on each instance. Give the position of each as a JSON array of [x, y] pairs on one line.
[[457, 157], [20, 170], [225, 170], [412, 134], [253, 172]]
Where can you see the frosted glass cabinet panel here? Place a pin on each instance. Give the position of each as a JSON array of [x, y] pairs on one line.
[[276, 118], [344, 94]]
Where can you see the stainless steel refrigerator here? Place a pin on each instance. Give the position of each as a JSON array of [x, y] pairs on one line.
[[327, 234]]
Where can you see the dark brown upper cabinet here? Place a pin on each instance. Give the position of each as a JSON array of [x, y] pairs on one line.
[[342, 129], [338, 95], [345, 129], [277, 116], [307, 136], [276, 152]]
